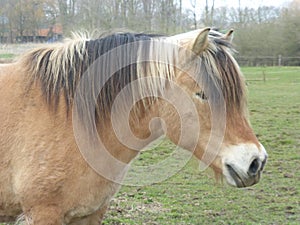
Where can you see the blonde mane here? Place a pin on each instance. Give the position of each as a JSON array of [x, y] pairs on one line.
[[58, 69]]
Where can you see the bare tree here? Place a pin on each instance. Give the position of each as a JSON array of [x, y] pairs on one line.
[[212, 13], [194, 12]]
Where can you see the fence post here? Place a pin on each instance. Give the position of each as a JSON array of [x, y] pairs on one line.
[[264, 74], [279, 60], [264, 77]]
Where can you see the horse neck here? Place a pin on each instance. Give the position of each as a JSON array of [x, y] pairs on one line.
[[147, 125], [124, 137]]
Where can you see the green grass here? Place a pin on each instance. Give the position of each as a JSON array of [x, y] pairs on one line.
[[7, 56], [191, 197]]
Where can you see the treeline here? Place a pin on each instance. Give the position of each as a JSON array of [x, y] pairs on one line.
[[265, 31]]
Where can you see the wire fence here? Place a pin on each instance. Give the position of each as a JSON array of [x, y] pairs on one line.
[[268, 73], [268, 60]]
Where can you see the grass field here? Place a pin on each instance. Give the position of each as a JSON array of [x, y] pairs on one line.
[[7, 56], [191, 197]]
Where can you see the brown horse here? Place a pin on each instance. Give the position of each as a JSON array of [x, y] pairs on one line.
[[56, 98]]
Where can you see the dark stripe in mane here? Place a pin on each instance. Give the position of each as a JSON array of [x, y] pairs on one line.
[[232, 84], [121, 78]]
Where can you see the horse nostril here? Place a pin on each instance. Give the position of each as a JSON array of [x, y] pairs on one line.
[[254, 167]]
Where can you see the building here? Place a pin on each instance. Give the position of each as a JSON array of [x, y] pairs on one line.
[[50, 34]]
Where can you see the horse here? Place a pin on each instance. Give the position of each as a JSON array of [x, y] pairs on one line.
[[75, 114]]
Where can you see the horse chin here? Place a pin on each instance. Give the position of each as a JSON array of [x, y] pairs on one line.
[[238, 179], [232, 177]]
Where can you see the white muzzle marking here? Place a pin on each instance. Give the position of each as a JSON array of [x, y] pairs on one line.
[[242, 164]]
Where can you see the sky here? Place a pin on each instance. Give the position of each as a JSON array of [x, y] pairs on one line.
[[235, 3]]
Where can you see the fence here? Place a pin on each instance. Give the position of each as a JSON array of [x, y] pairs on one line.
[[268, 60]]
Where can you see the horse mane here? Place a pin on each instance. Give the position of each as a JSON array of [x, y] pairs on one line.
[[58, 69], [222, 69]]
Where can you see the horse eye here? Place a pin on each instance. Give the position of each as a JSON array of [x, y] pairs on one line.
[[201, 95]]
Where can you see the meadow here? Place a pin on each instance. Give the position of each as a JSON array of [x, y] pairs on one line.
[[193, 197]]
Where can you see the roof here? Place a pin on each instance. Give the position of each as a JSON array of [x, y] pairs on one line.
[[55, 29]]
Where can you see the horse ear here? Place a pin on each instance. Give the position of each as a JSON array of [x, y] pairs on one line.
[[201, 41], [229, 35]]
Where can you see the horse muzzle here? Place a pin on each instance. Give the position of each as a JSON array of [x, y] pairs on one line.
[[244, 165]]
